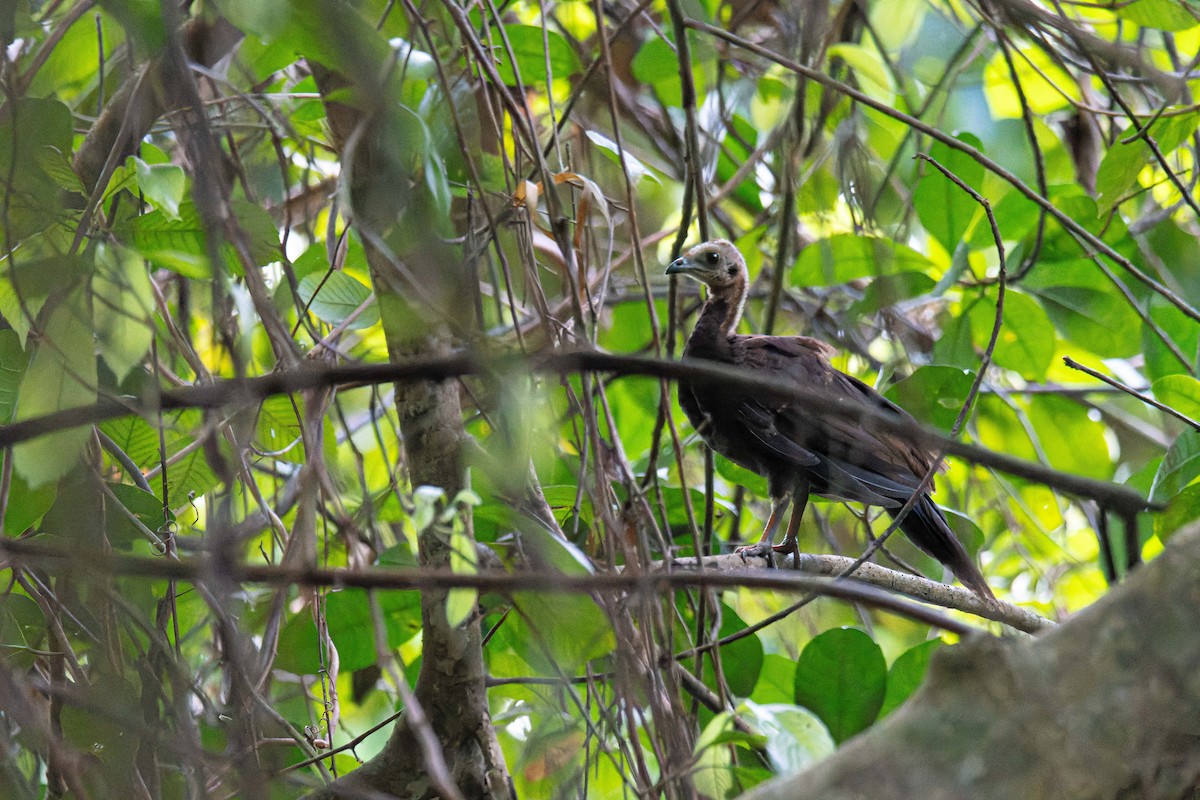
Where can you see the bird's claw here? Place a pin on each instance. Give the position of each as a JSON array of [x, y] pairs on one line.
[[760, 550]]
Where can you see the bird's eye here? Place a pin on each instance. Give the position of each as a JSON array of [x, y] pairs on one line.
[[712, 258]]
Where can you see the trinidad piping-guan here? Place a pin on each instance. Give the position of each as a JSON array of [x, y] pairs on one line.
[[797, 452]]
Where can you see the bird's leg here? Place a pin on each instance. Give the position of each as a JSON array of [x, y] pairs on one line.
[[790, 543], [764, 548]]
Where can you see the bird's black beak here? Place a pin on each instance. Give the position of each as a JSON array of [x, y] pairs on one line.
[[680, 266]]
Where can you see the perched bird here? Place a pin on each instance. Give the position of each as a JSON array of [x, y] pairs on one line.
[[800, 453]]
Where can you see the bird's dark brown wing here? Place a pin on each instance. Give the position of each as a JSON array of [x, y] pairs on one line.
[[858, 463]]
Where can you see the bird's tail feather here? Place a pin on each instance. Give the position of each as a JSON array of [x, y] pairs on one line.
[[925, 525]]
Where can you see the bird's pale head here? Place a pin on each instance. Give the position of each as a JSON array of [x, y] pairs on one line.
[[716, 264]]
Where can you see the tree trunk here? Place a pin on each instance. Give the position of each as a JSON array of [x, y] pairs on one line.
[[1103, 706]]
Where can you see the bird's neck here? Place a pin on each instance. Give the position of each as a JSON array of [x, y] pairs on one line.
[[718, 320]]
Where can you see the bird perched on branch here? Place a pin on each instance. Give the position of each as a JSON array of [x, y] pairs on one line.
[[798, 452]]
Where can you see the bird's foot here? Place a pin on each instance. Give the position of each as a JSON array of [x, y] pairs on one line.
[[761, 550], [791, 548]]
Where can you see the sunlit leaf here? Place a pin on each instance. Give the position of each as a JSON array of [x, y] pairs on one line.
[[1180, 392], [539, 53], [846, 257], [947, 211], [795, 736]]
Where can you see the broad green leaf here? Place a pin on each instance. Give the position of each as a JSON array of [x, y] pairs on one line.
[[740, 476], [713, 775], [933, 394], [657, 64], [1179, 468], [532, 54], [946, 211], [1179, 329], [188, 478], [560, 633], [741, 661], [873, 75], [13, 361], [179, 243], [1124, 160], [22, 628], [122, 310], [906, 674], [277, 430], [135, 504], [34, 132], [776, 680], [846, 257], [1085, 307], [841, 676], [795, 737], [1026, 342], [550, 551], [333, 296], [1180, 392], [26, 506], [162, 185], [1071, 440], [352, 629], [1183, 508], [61, 375], [1166, 15]]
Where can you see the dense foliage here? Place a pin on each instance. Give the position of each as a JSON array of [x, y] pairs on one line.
[[550, 159]]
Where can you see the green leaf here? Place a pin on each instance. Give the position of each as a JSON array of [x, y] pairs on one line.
[[33, 133], [333, 296], [1124, 161], [122, 309], [906, 674], [841, 676], [846, 257], [740, 476], [1180, 392], [1026, 342], [868, 67], [464, 560], [933, 394], [657, 64], [532, 55], [741, 661], [795, 738], [1072, 441], [1085, 307], [27, 506], [162, 185], [1166, 15], [352, 629], [560, 633], [277, 430], [179, 244], [1179, 467], [776, 680], [945, 210], [13, 361], [61, 375], [22, 627], [1182, 509]]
